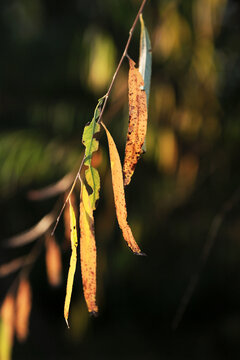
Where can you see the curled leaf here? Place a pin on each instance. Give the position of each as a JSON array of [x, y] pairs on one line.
[[119, 195], [145, 62], [88, 250], [73, 261], [91, 145], [137, 126], [53, 261], [23, 309]]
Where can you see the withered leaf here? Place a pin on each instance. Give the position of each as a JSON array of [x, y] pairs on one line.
[[23, 309], [88, 254], [53, 261], [119, 195], [137, 126]]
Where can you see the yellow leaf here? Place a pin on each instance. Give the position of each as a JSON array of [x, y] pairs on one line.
[[7, 313], [73, 261], [119, 195], [53, 261], [137, 126], [23, 309], [88, 250]]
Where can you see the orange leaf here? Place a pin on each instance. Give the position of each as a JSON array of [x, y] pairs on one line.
[[23, 309], [137, 126], [73, 261], [119, 195], [53, 261], [7, 313], [88, 250]]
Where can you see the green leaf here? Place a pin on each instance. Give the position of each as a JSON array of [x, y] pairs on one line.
[[145, 63], [91, 145], [145, 58]]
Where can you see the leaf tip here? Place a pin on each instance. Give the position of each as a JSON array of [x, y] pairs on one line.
[[93, 314], [140, 253], [67, 323]]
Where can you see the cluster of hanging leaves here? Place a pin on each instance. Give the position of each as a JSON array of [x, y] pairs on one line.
[[16, 307], [138, 94], [14, 318]]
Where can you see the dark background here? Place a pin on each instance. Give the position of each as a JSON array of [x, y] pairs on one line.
[[57, 58]]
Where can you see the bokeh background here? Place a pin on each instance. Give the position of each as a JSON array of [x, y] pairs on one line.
[[57, 58]]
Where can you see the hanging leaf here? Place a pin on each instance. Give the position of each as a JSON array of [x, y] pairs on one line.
[[119, 195], [53, 261], [145, 63], [7, 313], [91, 145], [88, 254], [73, 261], [137, 126], [145, 58], [23, 309]]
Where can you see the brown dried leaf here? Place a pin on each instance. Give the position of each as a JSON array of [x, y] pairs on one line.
[[53, 261], [137, 126], [23, 309], [88, 253], [119, 195]]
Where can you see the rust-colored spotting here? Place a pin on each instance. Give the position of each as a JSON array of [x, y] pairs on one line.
[[23, 310], [137, 125], [119, 194], [88, 253]]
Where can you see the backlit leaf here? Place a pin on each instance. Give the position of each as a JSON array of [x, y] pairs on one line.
[[7, 313], [88, 250], [91, 145], [53, 261], [73, 261], [23, 309], [145, 62], [137, 126], [119, 195]]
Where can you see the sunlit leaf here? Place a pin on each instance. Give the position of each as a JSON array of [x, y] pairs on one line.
[[137, 126], [145, 62], [53, 261], [145, 58], [73, 261], [91, 145], [88, 250], [23, 309], [7, 327], [119, 195]]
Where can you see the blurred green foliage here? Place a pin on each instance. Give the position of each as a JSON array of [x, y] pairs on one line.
[[57, 59]]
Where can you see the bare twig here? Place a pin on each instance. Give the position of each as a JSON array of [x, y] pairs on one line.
[[12, 266], [52, 190], [122, 58], [210, 241]]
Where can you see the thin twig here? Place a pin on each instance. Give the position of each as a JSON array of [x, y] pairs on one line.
[[122, 58], [69, 194], [104, 105], [210, 241]]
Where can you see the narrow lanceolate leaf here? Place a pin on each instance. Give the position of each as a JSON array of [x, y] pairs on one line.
[[119, 195], [145, 62], [23, 309], [137, 126], [88, 254], [7, 313], [91, 145], [53, 261], [145, 58], [73, 261]]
